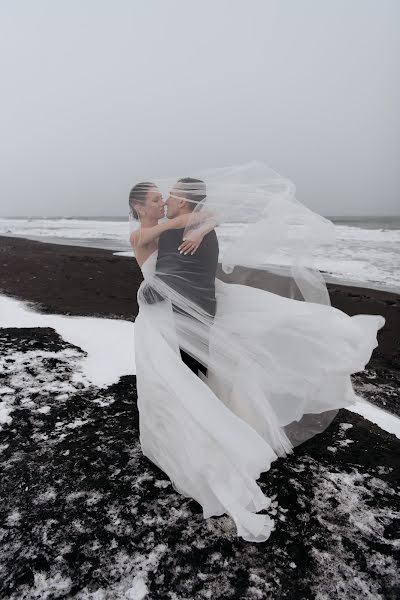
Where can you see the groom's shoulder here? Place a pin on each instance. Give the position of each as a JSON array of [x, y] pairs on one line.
[[211, 237]]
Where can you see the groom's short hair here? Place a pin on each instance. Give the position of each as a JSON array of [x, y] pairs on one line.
[[194, 190]]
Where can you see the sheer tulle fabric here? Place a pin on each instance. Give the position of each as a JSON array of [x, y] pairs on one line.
[[279, 364], [270, 360]]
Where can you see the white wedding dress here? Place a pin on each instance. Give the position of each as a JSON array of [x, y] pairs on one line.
[[214, 439]]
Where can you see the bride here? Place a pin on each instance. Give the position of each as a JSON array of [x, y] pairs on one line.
[[271, 358]]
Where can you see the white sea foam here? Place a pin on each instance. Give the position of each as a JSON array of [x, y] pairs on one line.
[[66, 228], [366, 254]]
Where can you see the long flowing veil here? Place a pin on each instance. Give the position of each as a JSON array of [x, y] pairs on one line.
[[278, 356], [268, 240], [263, 225]]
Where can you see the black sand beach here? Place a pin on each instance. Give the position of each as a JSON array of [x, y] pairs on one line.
[[72, 280], [76, 281], [85, 515]]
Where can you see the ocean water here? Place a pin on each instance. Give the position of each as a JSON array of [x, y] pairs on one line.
[[367, 252]]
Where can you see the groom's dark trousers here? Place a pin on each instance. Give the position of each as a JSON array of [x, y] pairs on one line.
[[192, 276]]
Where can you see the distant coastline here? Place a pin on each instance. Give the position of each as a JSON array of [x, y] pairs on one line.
[[367, 252], [335, 219]]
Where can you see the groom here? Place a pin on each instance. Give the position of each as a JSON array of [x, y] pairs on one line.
[[193, 276]]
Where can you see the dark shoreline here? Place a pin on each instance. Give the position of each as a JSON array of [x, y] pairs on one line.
[[82, 281], [69, 280]]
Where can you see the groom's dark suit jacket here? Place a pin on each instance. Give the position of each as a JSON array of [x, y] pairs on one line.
[[191, 276]]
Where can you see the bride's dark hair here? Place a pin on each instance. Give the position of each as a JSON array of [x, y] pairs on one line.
[[138, 194]]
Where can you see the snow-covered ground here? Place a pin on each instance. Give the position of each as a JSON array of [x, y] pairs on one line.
[[85, 515], [382, 418], [108, 345]]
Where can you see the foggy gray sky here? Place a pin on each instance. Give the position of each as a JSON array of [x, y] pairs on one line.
[[97, 95]]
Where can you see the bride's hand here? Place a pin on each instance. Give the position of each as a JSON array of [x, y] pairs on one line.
[[191, 245]]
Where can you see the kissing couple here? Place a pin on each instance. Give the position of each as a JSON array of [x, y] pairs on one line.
[[224, 371]]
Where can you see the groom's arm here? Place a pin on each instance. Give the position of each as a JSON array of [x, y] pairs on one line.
[[208, 253]]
